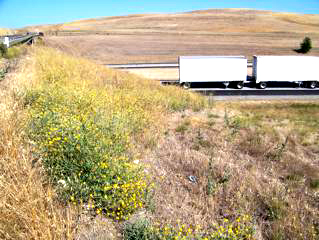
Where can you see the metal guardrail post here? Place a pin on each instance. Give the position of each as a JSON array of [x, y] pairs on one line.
[[6, 42]]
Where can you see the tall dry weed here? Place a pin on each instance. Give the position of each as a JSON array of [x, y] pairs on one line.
[[256, 170], [27, 206]]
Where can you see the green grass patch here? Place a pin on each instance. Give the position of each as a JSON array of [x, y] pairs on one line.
[[16, 51], [3, 73], [139, 230], [182, 128], [314, 183], [300, 114], [302, 118], [12, 52], [3, 50]]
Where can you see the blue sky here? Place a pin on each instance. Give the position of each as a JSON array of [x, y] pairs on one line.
[[19, 13]]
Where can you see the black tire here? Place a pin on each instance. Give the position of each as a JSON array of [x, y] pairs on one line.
[[262, 85], [299, 84], [186, 85], [312, 85], [239, 85]]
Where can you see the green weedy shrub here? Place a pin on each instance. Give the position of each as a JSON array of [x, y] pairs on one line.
[[3, 73], [12, 52], [15, 52], [314, 183], [139, 230], [85, 152], [82, 121], [3, 50]]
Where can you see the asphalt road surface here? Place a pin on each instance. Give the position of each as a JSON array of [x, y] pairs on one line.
[[275, 91]]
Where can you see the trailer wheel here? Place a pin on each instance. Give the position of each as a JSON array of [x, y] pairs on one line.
[[299, 84], [312, 85], [186, 85], [239, 85], [262, 85]]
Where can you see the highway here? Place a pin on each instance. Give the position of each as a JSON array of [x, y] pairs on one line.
[[274, 91], [260, 94], [143, 65], [150, 65]]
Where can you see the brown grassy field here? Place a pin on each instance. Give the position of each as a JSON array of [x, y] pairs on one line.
[[254, 165], [258, 158], [164, 37]]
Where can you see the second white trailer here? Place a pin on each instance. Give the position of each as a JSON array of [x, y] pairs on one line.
[[225, 69], [303, 70]]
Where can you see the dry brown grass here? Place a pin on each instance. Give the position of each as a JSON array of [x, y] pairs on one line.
[[303, 19], [207, 21], [5, 31], [250, 167], [27, 206], [30, 209], [117, 48], [164, 37]]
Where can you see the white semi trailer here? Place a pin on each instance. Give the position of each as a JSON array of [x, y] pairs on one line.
[[303, 70], [225, 69]]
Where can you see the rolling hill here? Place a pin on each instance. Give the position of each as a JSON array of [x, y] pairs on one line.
[[163, 37]]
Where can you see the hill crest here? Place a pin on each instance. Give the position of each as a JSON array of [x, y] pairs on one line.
[[205, 21]]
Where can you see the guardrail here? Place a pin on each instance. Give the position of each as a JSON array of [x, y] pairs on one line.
[[11, 40]]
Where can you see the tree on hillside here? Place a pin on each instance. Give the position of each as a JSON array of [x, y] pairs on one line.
[[305, 46]]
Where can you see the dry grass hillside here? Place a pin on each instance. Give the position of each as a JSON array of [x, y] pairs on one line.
[[202, 22], [163, 37], [85, 154], [97, 114], [5, 31]]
